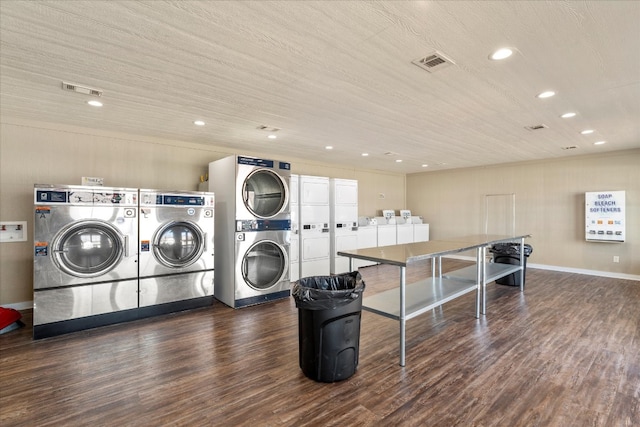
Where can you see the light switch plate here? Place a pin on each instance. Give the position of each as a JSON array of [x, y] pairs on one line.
[[13, 231]]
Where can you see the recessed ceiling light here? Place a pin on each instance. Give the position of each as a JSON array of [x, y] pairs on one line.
[[425, 166], [365, 154], [587, 131], [568, 115], [328, 147], [94, 103], [599, 142], [272, 136], [547, 94], [499, 54], [198, 123], [398, 160]]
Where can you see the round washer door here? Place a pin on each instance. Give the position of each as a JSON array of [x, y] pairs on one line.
[[264, 264], [88, 248], [178, 244], [264, 193]]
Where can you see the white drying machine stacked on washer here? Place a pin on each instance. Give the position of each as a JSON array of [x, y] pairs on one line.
[[315, 241], [85, 271], [344, 221], [294, 252], [253, 229], [176, 250]]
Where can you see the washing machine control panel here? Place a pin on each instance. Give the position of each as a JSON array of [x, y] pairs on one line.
[[83, 196], [263, 225]]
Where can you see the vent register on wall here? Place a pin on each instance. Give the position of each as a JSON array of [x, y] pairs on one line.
[[86, 252]]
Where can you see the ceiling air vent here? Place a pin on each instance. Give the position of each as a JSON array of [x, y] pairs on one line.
[[570, 147], [433, 62], [81, 89], [267, 128], [536, 127]]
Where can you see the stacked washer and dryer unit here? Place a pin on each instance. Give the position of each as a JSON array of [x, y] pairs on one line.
[[86, 253], [253, 229]]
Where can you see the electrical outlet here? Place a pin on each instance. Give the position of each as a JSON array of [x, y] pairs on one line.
[[616, 259]]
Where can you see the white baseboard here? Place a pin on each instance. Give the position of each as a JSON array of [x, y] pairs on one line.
[[565, 269], [24, 305]]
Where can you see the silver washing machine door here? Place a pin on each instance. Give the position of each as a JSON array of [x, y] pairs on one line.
[[264, 194], [264, 264], [88, 248], [178, 244]]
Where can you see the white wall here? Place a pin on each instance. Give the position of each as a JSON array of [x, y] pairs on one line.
[[41, 153], [549, 205]]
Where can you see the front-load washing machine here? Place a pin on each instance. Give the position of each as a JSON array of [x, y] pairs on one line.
[[176, 250], [261, 271], [253, 229], [85, 266]]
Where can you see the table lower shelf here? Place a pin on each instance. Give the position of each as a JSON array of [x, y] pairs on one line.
[[420, 297], [494, 271]]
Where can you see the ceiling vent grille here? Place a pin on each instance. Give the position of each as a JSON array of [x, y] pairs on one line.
[[537, 127], [571, 147], [268, 128], [433, 62], [72, 87]]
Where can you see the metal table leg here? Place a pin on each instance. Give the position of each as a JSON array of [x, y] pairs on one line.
[[403, 320], [483, 250], [522, 256], [479, 268]]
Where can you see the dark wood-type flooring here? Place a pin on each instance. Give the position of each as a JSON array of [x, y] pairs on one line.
[[566, 352]]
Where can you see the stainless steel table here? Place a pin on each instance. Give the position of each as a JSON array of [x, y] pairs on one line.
[[408, 301]]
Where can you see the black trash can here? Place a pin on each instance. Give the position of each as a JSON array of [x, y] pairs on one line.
[[509, 253], [329, 312]]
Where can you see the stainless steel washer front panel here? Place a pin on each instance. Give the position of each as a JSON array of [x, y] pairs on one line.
[[258, 266], [176, 287], [84, 235], [176, 232], [261, 262], [55, 305], [262, 189]]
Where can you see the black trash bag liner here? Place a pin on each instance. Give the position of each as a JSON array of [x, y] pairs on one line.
[[327, 292], [510, 249]]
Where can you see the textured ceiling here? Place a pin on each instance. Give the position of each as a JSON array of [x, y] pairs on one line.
[[334, 73]]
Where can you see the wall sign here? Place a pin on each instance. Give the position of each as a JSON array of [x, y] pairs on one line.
[[604, 216]]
